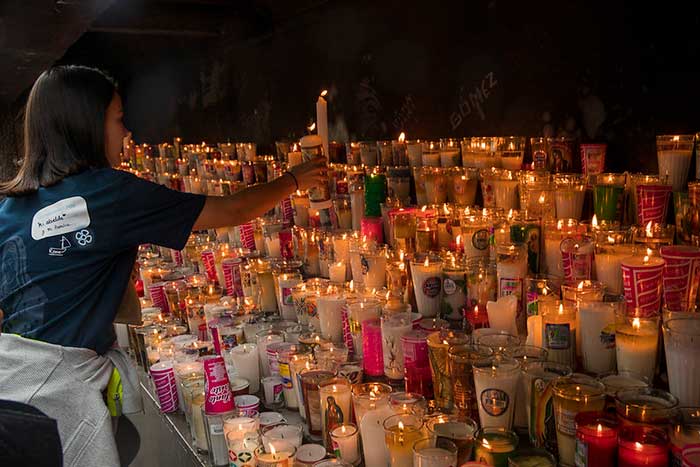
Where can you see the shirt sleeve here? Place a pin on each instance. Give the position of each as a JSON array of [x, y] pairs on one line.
[[150, 213]]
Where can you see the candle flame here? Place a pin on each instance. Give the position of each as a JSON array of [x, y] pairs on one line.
[[402, 137], [401, 426], [352, 285], [561, 309], [600, 428], [560, 224], [427, 262], [272, 449], [646, 259], [401, 255], [458, 240], [424, 208], [636, 323], [638, 445], [486, 443], [343, 429], [594, 221], [580, 285], [676, 138], [541, 200], [312, 127], [324, 93], [648, 229]]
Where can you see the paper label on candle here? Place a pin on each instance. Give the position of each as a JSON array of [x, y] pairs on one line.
[[228, 341], [581, 455], [558, 336], [510, 287], [286, 374], [565, 421], [158, 297], [209, 265], [216, 429], [532, 306], [480, 239], [431, 287], [539, 159], [247, 234], [593, 158], [542, 426], [494, 401]]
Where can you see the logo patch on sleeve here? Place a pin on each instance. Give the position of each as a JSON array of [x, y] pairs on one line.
[[62, 217]]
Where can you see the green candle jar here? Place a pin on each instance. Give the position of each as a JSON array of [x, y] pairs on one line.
[[494, 446]]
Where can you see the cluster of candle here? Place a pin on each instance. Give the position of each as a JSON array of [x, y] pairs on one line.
[[405, 324]]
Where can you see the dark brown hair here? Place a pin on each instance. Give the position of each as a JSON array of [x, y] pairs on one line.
[[63, 127]]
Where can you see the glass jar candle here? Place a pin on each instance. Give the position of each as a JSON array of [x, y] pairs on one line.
[[439, 343], [428, 452], [495, 381], [335, 394], [417, 374], [511, 150], [511, 269], [596, 439], [369, 396], [569, 195], [636, 344], [684, 433], [401, 432], [682, 344], [461, 185], [358, 312], [572, 395], [608, 195], [537, 380], [460, 431], [481, 285], [310, 380], [494, 446], [642, 445], [461, 361], [674, 153], [426, 273], [645, 406], [450, 153]]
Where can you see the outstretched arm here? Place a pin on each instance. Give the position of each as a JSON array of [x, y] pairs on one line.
[[243, 206]]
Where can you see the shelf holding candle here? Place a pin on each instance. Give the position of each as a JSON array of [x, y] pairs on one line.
[[572, 395]]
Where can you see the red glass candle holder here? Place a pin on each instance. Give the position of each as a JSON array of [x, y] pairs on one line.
[[642, 445], [596, 439]]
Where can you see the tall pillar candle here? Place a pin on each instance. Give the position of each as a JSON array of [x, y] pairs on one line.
[[329, 308], [597, 325]]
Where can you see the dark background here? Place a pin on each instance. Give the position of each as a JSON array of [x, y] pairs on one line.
[[217, 71]]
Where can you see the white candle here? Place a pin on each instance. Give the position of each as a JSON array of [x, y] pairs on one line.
[[264, 339], [607, 265], [341, 252], [373, 269], [272, 246], [357, 207], [236, 428], [427, 285], [322, 120], [329, 308], [393, 328], [345, 440], [559, 331], [511, 270], [340, 390], [674, 164], [597, 325], [336, 271], [245, 359], [372, 432], [636, 343], [286, 282], [502, 314], [495, 382]]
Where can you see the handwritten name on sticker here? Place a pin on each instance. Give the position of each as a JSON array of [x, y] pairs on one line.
[[62, 217]]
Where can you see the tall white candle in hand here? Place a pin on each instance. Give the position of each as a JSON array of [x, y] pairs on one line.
[[322, 120]]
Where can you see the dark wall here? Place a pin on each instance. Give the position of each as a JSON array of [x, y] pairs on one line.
[[602, 71]]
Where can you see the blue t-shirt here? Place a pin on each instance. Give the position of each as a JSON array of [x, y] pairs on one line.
[[67, 251]]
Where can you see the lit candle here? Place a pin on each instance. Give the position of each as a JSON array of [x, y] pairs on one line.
[[495, 381], [275, 458], [427, 285], [401, 432], [559, 331], [502, 314], [596, 439], [597, 326], [338, 391], [641, 277], [329, 307], [642, 445], [454, 286], [495, 446], [393, 328], [345, 439], [636, 343], [572, 395], [336, 272]]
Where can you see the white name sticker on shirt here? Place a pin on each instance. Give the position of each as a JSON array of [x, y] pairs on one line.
[[67, 215]]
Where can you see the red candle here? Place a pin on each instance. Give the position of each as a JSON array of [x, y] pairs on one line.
[[642, 445], [596, 439], [476, 317]]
